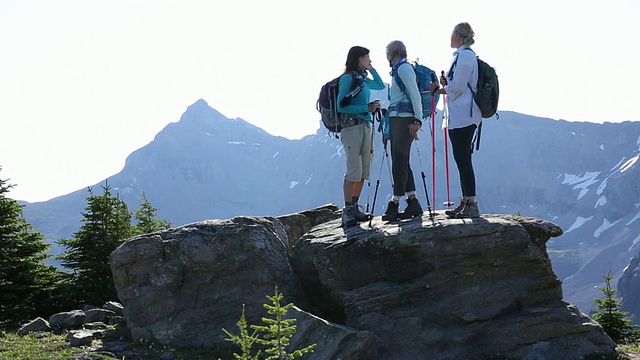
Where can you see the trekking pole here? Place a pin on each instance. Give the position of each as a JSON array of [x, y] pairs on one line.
[[447, 203], [433, 149], [375, 193], [373, 123], [386, 154], [424, 182]]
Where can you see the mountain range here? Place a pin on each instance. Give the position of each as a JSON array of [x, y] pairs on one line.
[[582, 176]]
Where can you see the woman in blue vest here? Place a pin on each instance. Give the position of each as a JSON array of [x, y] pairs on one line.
[[353, 103], [405, 119], [464, 115]]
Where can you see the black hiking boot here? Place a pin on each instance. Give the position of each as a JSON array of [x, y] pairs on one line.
[[413, 209], [348, 216], [470, 211], [454, 212], [359, 214], [391, 214]]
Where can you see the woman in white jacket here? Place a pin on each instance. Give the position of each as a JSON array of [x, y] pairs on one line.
[[464, 115]]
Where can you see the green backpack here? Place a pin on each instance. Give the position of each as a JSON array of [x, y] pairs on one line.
[[488, 89]]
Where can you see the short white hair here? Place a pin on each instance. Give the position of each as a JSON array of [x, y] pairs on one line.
[[396, 47]]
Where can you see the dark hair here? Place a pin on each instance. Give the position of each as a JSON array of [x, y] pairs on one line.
[[353, 58]]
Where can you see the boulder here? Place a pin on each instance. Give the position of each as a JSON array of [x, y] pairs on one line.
[[421, 288], [67, 320], [181, 286], [77, 338], [101, 315], [36, 325], [447, 288]]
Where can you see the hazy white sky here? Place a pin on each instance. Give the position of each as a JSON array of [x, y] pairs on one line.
[[85, 83]]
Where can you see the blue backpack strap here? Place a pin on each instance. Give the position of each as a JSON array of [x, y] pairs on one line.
[[394, 73]]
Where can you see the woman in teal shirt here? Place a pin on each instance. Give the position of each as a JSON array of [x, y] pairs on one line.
[[353, 103]]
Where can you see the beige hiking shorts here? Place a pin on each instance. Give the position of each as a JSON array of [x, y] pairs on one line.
[[356, 141]]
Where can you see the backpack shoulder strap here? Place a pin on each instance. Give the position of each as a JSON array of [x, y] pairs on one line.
[[455, 62], [395, 74], [357, 82]]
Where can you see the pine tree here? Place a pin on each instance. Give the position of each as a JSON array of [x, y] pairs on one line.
[[107, 223], [611, 318], [277, 331], [27, 285], [244, 340], [146, 216], [274, 335]]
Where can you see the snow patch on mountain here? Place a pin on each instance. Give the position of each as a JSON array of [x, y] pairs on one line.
[[601, 147], [634, 218], [236, 143], [579, 222], [306, 182], [617, 166], [601, 188], [605, 225], [293, 184], [627, 165], [581, 181], [601, 200], [635, 242]]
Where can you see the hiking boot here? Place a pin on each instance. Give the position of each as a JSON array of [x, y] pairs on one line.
[[469, 211], [391, 214], [359, 214], [452, 213], [348, 216], [413, 209]]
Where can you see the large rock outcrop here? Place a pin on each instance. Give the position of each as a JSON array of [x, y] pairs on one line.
[[418, 289]]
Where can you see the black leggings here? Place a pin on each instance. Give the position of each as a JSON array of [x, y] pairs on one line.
[[401, 141], [462, 144]]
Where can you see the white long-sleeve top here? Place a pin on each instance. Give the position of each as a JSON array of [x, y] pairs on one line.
[[463, 72]]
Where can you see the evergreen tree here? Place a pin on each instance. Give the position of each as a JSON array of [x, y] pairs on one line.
[[276, 331], [107, 223], [244, 340], [611, 318], [27, 285], [274, 334], [146, 216]]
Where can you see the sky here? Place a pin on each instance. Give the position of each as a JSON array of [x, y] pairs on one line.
[[85, 83]]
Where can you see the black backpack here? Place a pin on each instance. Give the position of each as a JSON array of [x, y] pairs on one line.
[[488, 89], [333, 120]]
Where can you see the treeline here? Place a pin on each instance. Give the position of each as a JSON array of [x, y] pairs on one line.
[[30, 288]]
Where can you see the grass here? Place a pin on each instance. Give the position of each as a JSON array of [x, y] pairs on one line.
[[48, 346], [631, 347], [42, 346]]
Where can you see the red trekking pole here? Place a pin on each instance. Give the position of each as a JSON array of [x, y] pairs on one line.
[[433, 149], [447, 203]]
